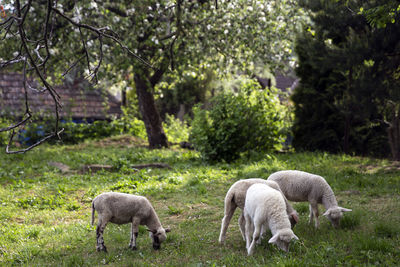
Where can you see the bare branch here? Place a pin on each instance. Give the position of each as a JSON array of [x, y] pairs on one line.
[[35, 55], [32, 146], [85, 50], [73, 65], [102, 32], [16, 125]]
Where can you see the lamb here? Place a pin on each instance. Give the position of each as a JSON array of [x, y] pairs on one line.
[[236, 196], [123, 208], [265, 206], [302, 186]]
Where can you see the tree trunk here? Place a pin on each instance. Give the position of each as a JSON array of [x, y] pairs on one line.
[[394, 136], [123, 97], [150, 114], [348, 113], [346, 138]]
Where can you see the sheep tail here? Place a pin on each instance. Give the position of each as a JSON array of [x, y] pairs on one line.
[[93, 210], [229, 199]]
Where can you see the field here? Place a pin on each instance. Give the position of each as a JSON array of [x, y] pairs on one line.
[[45, 212]]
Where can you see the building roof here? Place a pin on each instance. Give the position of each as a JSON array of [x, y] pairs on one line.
[[78, 98], [283, 82]]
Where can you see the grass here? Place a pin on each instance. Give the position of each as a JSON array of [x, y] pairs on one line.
[[45, 214]]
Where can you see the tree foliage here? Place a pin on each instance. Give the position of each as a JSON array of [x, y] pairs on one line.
[[348, 73], [383, 14], [110, 39]]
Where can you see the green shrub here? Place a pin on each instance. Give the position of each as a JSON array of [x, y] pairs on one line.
[[129, 123], [4, 123], [78, 132], [249, 120], [176, 130]]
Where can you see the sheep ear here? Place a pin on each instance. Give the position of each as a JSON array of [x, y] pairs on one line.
[[344, 209], [274, 238], [295, 217], [327, 213], [295, 237], [154, 231], [167, 230]]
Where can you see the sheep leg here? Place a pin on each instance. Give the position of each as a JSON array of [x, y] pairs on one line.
[[242, 226], [256, 236], [134, 234], [311, 217], [248, 230], [229, 210], [261, 234], [314, 213], [99, 233]]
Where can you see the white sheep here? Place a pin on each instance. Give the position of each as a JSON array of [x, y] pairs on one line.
[[123, 208], [265, 207], [236, 196], [302, 186]]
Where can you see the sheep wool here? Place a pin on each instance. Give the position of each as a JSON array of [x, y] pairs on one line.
[[302, 186], [235, 197], [265, 206], [120, 208]]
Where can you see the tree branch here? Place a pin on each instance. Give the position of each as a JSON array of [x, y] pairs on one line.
[[35, 56]]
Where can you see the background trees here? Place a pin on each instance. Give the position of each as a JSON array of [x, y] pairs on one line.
[[349, 81], [348, 60]]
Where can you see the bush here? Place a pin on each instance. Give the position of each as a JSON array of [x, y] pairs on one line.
[[4, 123], [249, 120], [78, 132], [129, 123], [176, 130]]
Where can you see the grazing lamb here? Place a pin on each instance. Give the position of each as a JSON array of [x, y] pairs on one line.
[[123, 208], [236, 196], [302, 186], [265, 207]]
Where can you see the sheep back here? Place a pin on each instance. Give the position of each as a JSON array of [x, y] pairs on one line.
[[268, 204], [237, 192], [120, 208], [302, 186]]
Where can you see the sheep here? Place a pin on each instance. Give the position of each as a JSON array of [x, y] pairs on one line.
[[236, 196], [120, 208], [265, 207], [302, 186]]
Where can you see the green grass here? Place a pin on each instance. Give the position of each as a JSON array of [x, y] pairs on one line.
[[45, 214]]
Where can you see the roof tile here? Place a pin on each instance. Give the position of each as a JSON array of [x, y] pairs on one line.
[[86, 103]]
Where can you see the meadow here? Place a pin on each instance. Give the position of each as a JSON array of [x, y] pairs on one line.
[[45, 213]]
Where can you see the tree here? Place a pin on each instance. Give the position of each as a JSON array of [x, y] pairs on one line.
[[347, 70], [382, 14], [158, 36]]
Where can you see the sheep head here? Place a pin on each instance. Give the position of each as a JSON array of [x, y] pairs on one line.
[[158, 236], [282, 239], [335, 214]]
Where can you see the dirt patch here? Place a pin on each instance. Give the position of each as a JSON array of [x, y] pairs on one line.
[[126, 141], [386, 204], [371, 169], [123, 140]]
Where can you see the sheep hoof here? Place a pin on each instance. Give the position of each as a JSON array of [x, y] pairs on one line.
[[133, 247]]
